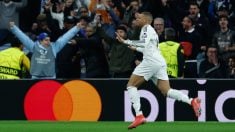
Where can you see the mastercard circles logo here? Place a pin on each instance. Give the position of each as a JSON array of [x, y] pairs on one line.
[[75, 100]]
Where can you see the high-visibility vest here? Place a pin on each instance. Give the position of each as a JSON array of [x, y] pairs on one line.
[[169, 52], [10, 63]]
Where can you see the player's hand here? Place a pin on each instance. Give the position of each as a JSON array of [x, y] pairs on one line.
[[132, 47], [12, 24], [119, 38]]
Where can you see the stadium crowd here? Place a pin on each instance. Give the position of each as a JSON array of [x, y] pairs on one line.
[[202, 29]]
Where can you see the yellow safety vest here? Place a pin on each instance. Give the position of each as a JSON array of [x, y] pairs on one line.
[[169, 51], [10, 63]]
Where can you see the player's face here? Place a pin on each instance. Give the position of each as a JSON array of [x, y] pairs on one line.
[[140, 20]]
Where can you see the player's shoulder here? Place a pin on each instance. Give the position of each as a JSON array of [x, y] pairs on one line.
[[147, 28]]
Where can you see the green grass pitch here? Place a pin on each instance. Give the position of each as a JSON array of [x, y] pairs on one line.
[[45, 126]]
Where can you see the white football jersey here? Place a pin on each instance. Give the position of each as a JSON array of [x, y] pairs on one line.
[[148, 44]]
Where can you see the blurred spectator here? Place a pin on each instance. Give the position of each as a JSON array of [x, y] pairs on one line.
[[130, 11], [222, 7], [69, 8], [84, 21], [111, 20], [174, 11], [100, 7], [81, 12], [189, 34], [231, 67], [13, 62], [94, 55], [203, 5], [9, 11], [111, 4], [68, 59], [173, 54], [201, 24], [159, 27], [216, 5], [133, 34], [169, 11], [43, 51], [133, 30], [190, 39], [121, 59], [57, 12], [81, 3], [224, 38], [45, 23], [213, 66]]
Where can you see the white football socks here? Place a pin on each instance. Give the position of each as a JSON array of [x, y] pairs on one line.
[[135, 99], [178, 95]]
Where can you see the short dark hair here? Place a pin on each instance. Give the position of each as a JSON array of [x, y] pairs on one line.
[[212, 46], [82, 7], [170, 34], [85, 18], [193, 21], [194, 4], [122, 28], [69, 20], [223, 16]]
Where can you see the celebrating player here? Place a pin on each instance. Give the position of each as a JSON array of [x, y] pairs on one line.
[[152, 67]]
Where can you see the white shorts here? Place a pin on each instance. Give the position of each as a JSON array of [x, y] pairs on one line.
[[151, 70]]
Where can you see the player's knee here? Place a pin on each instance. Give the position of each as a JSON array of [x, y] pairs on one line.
[[163, 90]]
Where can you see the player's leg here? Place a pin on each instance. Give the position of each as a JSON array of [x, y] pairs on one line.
[[162, 82], [134, 82], [143, 72], [164, 87]]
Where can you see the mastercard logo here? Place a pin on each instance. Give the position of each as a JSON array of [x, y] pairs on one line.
[[75, 100]]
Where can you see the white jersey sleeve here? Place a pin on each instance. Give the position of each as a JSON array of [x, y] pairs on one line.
[[146, 36], [147, 44], [140, 49]]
